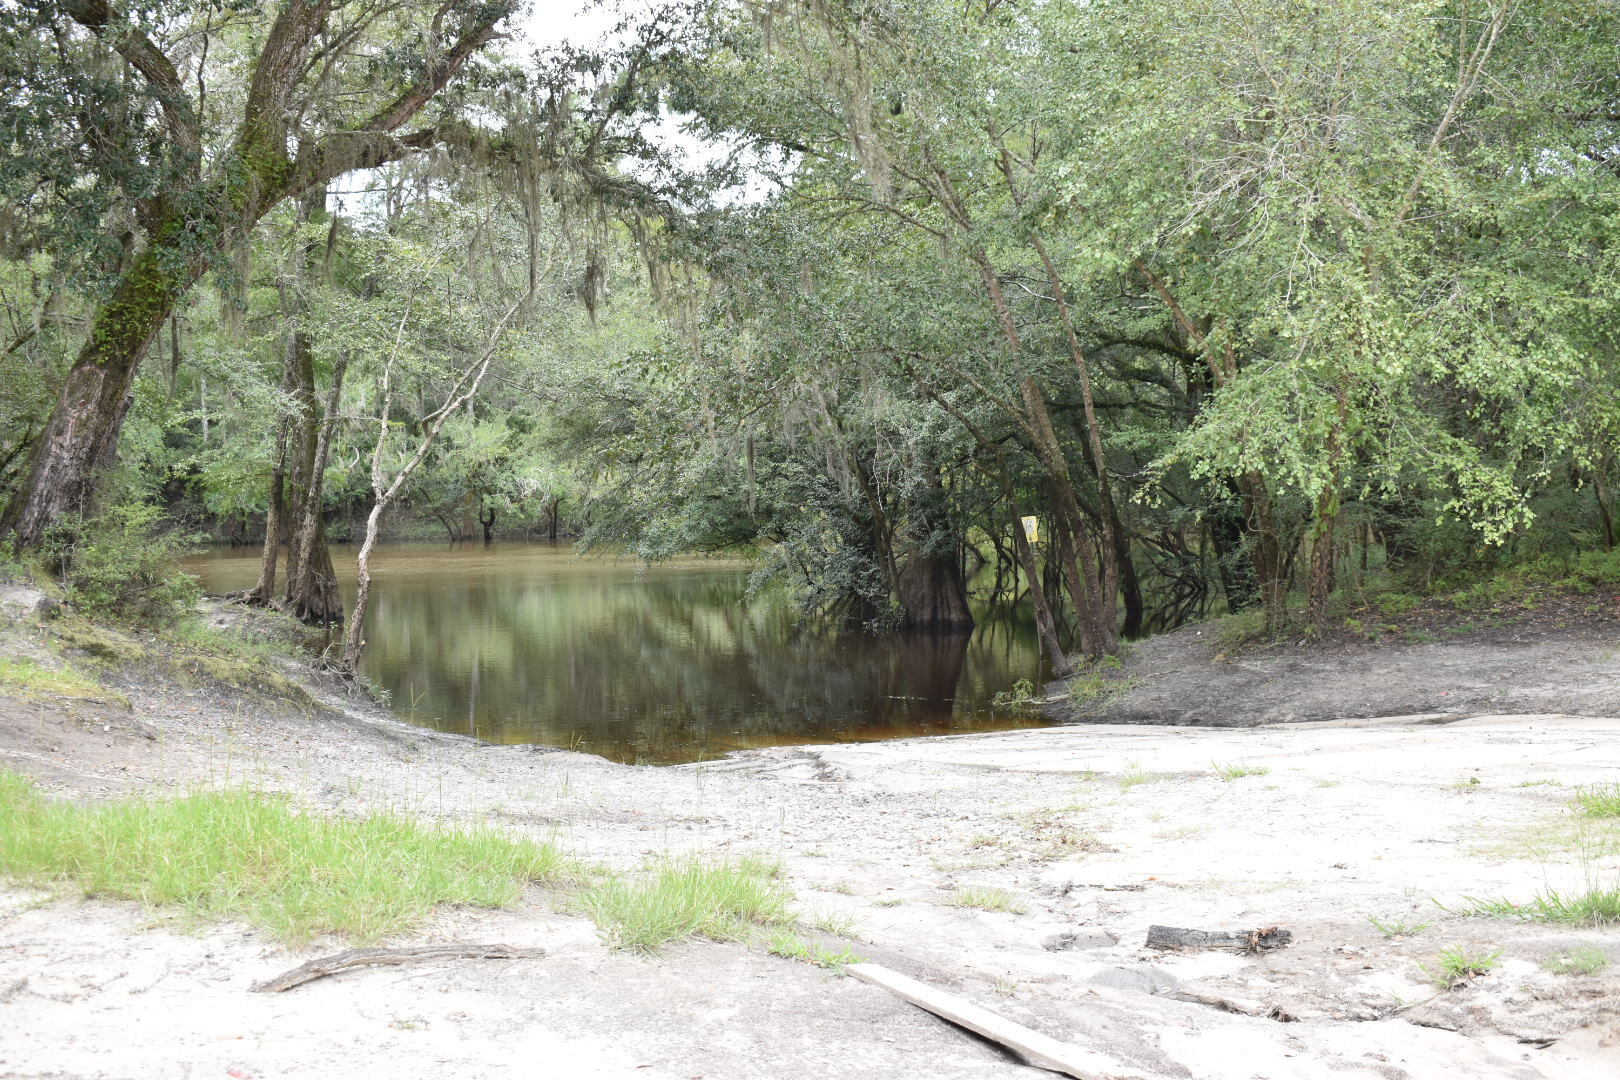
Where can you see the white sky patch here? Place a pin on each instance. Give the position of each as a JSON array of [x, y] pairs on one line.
[[595, 22], [552, 22], [549, 23]]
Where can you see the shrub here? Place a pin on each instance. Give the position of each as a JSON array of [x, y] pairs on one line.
[[120, 565]]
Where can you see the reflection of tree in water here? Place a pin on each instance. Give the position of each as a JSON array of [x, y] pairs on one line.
[[669, 665]]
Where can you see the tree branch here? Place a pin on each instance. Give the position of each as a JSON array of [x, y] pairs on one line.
[[100, 18], [371, 142]]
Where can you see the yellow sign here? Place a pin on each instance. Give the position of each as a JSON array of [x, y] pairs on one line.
[[1032, 529]]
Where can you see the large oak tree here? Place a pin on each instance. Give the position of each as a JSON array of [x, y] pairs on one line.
[[119, 120]]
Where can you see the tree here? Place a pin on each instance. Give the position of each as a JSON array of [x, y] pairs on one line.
[[330, 92]]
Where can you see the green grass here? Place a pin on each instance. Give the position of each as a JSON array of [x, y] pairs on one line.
[[1597, 801], [240, 855], [790, 945], [1581, 960], [1232, 632], [1018, 701], [676, 899], [1098, 685], [1596, 906], [25, 678], [1134, 775], [1394, 928], [1398, 603], [987, 899], [1229, 771], [1458, 965], [1540, 783], [836, 923]]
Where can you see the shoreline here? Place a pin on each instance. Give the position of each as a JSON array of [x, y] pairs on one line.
[[1092, 832]]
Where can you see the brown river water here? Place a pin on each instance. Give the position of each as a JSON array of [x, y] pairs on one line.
[[525, 642]]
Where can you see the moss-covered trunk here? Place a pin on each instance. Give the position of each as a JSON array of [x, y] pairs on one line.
[[81, 436]]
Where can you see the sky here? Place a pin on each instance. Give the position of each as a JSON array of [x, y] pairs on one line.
[[551, 21]]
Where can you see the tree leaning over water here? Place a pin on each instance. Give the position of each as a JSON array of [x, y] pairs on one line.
[[328, 92], [1253, 300], [1295, 280]]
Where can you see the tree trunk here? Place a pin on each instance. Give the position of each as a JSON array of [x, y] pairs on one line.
[[1266, 551], [1130, 587], [353, 643], [1324, 557], [1095, 607], [486, 518], [312, 594], [1323, 560], [275, 525], [81, 436], [1605, 499], [933, 594], [1045, 624]]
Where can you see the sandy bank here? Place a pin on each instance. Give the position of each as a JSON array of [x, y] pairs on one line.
[[1096, 832]]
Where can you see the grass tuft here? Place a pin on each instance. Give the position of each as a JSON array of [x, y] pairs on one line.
[[987, 899], [1597, 801], [836, 923], [1135, 775], [236, 854], [1596, 906], [1582, 960], [1229, 771], [1394, 928], [790, 945], [1458, 965], [688, 897]]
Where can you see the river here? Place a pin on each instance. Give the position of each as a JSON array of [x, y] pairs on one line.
[[524, 642]]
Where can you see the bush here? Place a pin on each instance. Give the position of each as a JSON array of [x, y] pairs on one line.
[[122, 566]]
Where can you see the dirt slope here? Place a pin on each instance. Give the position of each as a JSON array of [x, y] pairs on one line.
[[1186, 678]]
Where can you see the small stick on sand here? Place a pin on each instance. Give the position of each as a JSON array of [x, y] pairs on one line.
[[330, 965]]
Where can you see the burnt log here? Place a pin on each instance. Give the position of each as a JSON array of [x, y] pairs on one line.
[[1175, 937]]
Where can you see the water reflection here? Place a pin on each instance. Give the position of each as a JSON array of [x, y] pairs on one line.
[[524, 643]]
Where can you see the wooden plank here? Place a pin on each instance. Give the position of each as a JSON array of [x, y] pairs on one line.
[[1039, 1050]]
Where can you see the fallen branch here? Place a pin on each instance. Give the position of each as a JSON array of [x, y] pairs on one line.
[[1251, 941], [343, 961], [1039, 1050], [1240, 1006]]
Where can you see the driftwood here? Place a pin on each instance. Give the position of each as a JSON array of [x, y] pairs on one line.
[[1039, 1050], [323, 966], [1175, 937], [1241, 1006]]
